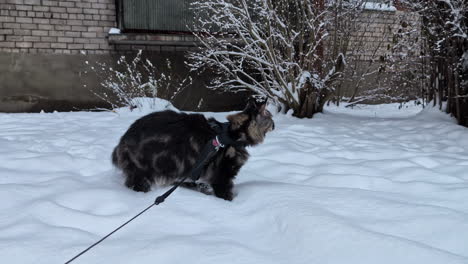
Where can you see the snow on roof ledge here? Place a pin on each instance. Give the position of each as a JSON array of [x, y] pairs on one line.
[[379, 6]]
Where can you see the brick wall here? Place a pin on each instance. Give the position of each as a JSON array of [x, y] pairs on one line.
[[384, 60], [384, 33], [56, 26], [44, 45]]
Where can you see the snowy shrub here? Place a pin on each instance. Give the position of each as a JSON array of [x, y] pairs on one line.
[[128, 83], [274, 49]]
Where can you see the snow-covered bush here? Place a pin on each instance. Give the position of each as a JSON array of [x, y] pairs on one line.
[[273, 48], [127, 83]]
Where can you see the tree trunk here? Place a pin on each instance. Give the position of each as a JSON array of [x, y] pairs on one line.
[[449, 83], [311, 101], [457, 100]]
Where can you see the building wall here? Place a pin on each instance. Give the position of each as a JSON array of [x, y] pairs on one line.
[[56, 26], [44, 45], [384, 58], [384, 33]]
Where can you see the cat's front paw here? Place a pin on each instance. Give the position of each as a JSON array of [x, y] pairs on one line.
[[225, 195], [223, 191], [141, 186]]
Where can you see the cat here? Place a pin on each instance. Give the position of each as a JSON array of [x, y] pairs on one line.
[[163, 147]]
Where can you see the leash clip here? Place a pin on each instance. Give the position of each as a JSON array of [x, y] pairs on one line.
[[217, 144]]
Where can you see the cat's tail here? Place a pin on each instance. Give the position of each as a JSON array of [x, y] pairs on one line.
[[120, 156]]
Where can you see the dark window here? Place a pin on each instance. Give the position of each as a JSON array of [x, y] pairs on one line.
[[155, 15]]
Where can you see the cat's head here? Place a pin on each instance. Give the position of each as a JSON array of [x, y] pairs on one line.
[[253, 122]]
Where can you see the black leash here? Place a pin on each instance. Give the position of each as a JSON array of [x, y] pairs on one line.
[[108, 235], [221, 140]]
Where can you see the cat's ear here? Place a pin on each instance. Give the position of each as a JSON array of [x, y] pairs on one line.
[[261, 109], [255, 107], [251, 106]]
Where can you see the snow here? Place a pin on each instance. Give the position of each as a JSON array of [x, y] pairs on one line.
[[373, 184], [115, 31], [379, 6], [464, 61]]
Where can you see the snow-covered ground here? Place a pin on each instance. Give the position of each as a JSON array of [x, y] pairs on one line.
[[368, 185]]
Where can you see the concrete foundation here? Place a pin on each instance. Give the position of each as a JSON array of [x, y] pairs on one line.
[[35, 82]]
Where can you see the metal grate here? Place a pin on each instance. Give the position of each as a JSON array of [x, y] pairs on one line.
[[155, 15]]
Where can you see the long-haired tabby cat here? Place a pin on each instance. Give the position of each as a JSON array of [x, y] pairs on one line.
[[162, 147]]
